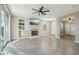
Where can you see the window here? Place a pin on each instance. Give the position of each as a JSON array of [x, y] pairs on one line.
[[4, 19]]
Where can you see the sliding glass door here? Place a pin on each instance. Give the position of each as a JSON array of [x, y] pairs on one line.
[[3, 27]]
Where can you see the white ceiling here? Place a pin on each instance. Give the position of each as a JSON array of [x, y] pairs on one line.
[[56, 10]]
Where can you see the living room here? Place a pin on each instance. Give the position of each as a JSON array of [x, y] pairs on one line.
[[40, 29]]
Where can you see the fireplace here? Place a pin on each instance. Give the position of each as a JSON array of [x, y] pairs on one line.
[[34, 33]]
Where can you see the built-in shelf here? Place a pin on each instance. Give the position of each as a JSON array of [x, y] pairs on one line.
[[21, 27]]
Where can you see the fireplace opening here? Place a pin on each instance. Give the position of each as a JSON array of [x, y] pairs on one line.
[[34, 33]]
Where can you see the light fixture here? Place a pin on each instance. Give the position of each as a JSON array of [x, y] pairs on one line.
[[69, 20]]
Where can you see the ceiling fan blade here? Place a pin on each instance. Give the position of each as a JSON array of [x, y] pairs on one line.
[[41, 9], [34, 12], [46, 11], [43, 13], [34, 9]]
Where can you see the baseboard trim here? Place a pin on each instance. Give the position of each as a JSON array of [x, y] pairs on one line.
[[14, 41], [77, 41], [28, 37], [52, 34], [57, 37]]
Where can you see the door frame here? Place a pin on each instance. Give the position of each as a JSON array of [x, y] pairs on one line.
[[7, 12]]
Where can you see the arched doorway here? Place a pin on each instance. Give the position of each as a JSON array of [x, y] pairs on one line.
[[68, 27]]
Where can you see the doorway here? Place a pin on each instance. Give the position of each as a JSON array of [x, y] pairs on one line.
[[67, 29], [45, 28]]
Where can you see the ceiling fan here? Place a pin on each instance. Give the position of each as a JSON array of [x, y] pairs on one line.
[[40, 11]]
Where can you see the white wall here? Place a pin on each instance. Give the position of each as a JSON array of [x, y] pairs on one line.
[[15, 27], [45, 31], [77, 31], [58, 28], [55, 28]]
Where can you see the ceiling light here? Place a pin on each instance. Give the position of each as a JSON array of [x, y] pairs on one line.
[[69, 20]]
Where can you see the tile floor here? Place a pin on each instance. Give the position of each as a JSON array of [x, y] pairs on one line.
[[48, 46]]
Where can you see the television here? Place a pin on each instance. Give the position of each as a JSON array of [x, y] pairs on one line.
[[34, 21]]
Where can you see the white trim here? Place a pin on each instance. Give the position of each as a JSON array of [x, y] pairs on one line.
[[58, 37], [5, 8], [77, 41], [14, 41], [9, 29], [28, 37]]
